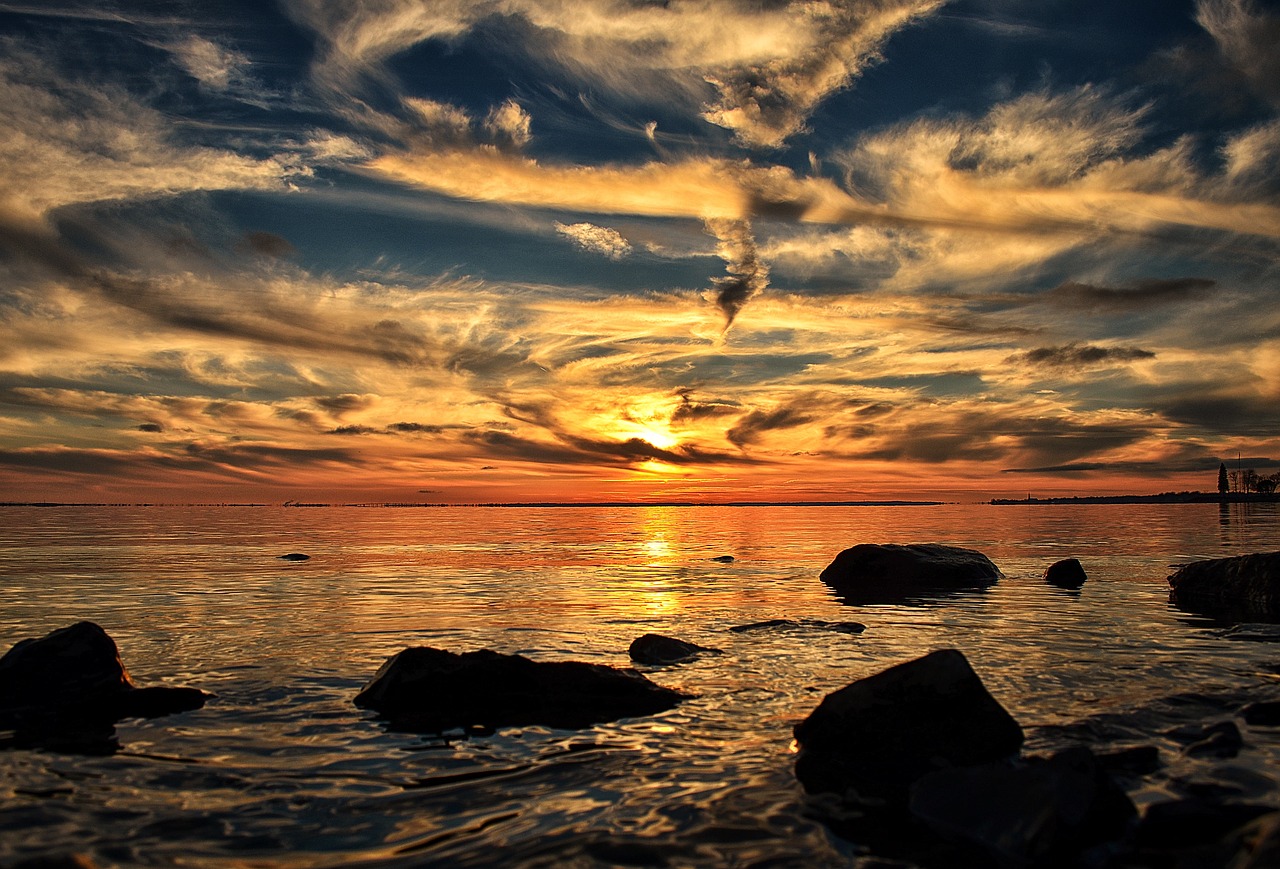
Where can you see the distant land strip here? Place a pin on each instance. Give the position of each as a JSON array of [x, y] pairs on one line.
[[538, 504], [1163, 498]]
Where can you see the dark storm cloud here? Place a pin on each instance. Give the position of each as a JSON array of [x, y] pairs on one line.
[[996, 436], [267, 244], [691, 411], [1138, 295], [575, 450], [415, 428], [1236, 414], [748, 429], [346, 402], [234, 461], [748, 275], [1079, 356]]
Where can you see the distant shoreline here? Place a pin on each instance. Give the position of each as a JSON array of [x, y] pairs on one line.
[[1163, 498], [525, 504]]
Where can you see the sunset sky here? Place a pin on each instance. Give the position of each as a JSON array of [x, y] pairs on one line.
[[596, 250]]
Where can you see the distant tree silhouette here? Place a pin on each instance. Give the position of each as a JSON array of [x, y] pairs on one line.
[[1223, 485]]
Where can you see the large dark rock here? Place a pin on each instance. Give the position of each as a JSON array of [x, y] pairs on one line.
[[657, 649], [888, 573], [68, 689], [1036, 812], [1241, 587], [430, 690], [1067, 573], [878, 735]]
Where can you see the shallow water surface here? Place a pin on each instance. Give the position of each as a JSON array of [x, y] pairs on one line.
[[281, 769]]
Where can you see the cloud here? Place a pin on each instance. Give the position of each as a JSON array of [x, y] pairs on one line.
[[268, 244], [598, 239], [1247, 38], [1137, 296], [764, 104], [769, 65], [73, 141], [510, 123], [750, 426], [747, 276], [216, 67], [1080, 356]]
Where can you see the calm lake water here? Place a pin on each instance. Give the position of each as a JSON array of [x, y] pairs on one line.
[[280, 769]]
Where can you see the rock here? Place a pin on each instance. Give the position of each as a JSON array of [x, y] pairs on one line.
[[878, 735], [1221, 739], [1067, 573], [1258, 843], [1133, 760], [1187, 823], [1264, 713], [724, 559], [1041, 811], [70, 687], [430, 690], [657, 649], [765, 625], [1239, 588], [890, 573], [838, 627], [295, 556]]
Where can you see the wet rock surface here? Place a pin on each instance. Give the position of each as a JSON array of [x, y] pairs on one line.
[[67, 690], [799, 624], [1067, 573], [430, 690], [1242, 587], [890, 573], [1073, 807], [658, 649], [876, 736], [1030, 812]]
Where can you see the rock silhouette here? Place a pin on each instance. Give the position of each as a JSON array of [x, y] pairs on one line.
[[657, 649], [880, 734], [69, 688], [1241, 587], [891, 573], [430, 690], [1067, 573]]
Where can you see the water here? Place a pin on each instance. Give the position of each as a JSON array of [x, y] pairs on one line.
[[280, 769]]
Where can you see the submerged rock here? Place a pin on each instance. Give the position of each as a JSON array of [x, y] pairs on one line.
[[430, 690], [818, 624], [68, 689], [1243, 586], [889, 573], [878, 735], [1032, 812], [724, 559], [657, 649], [1067, 573], [295, 556]]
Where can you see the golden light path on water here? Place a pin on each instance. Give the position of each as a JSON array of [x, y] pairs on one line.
[[280, 768]]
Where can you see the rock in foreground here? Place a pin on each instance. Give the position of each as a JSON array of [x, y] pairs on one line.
[[889, 573], [878, 735], [1067, 573], [70, 687], [1244, 586], [1034, 812], [428, 690]]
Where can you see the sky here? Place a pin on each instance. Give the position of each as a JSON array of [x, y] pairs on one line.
[[475, 251]]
